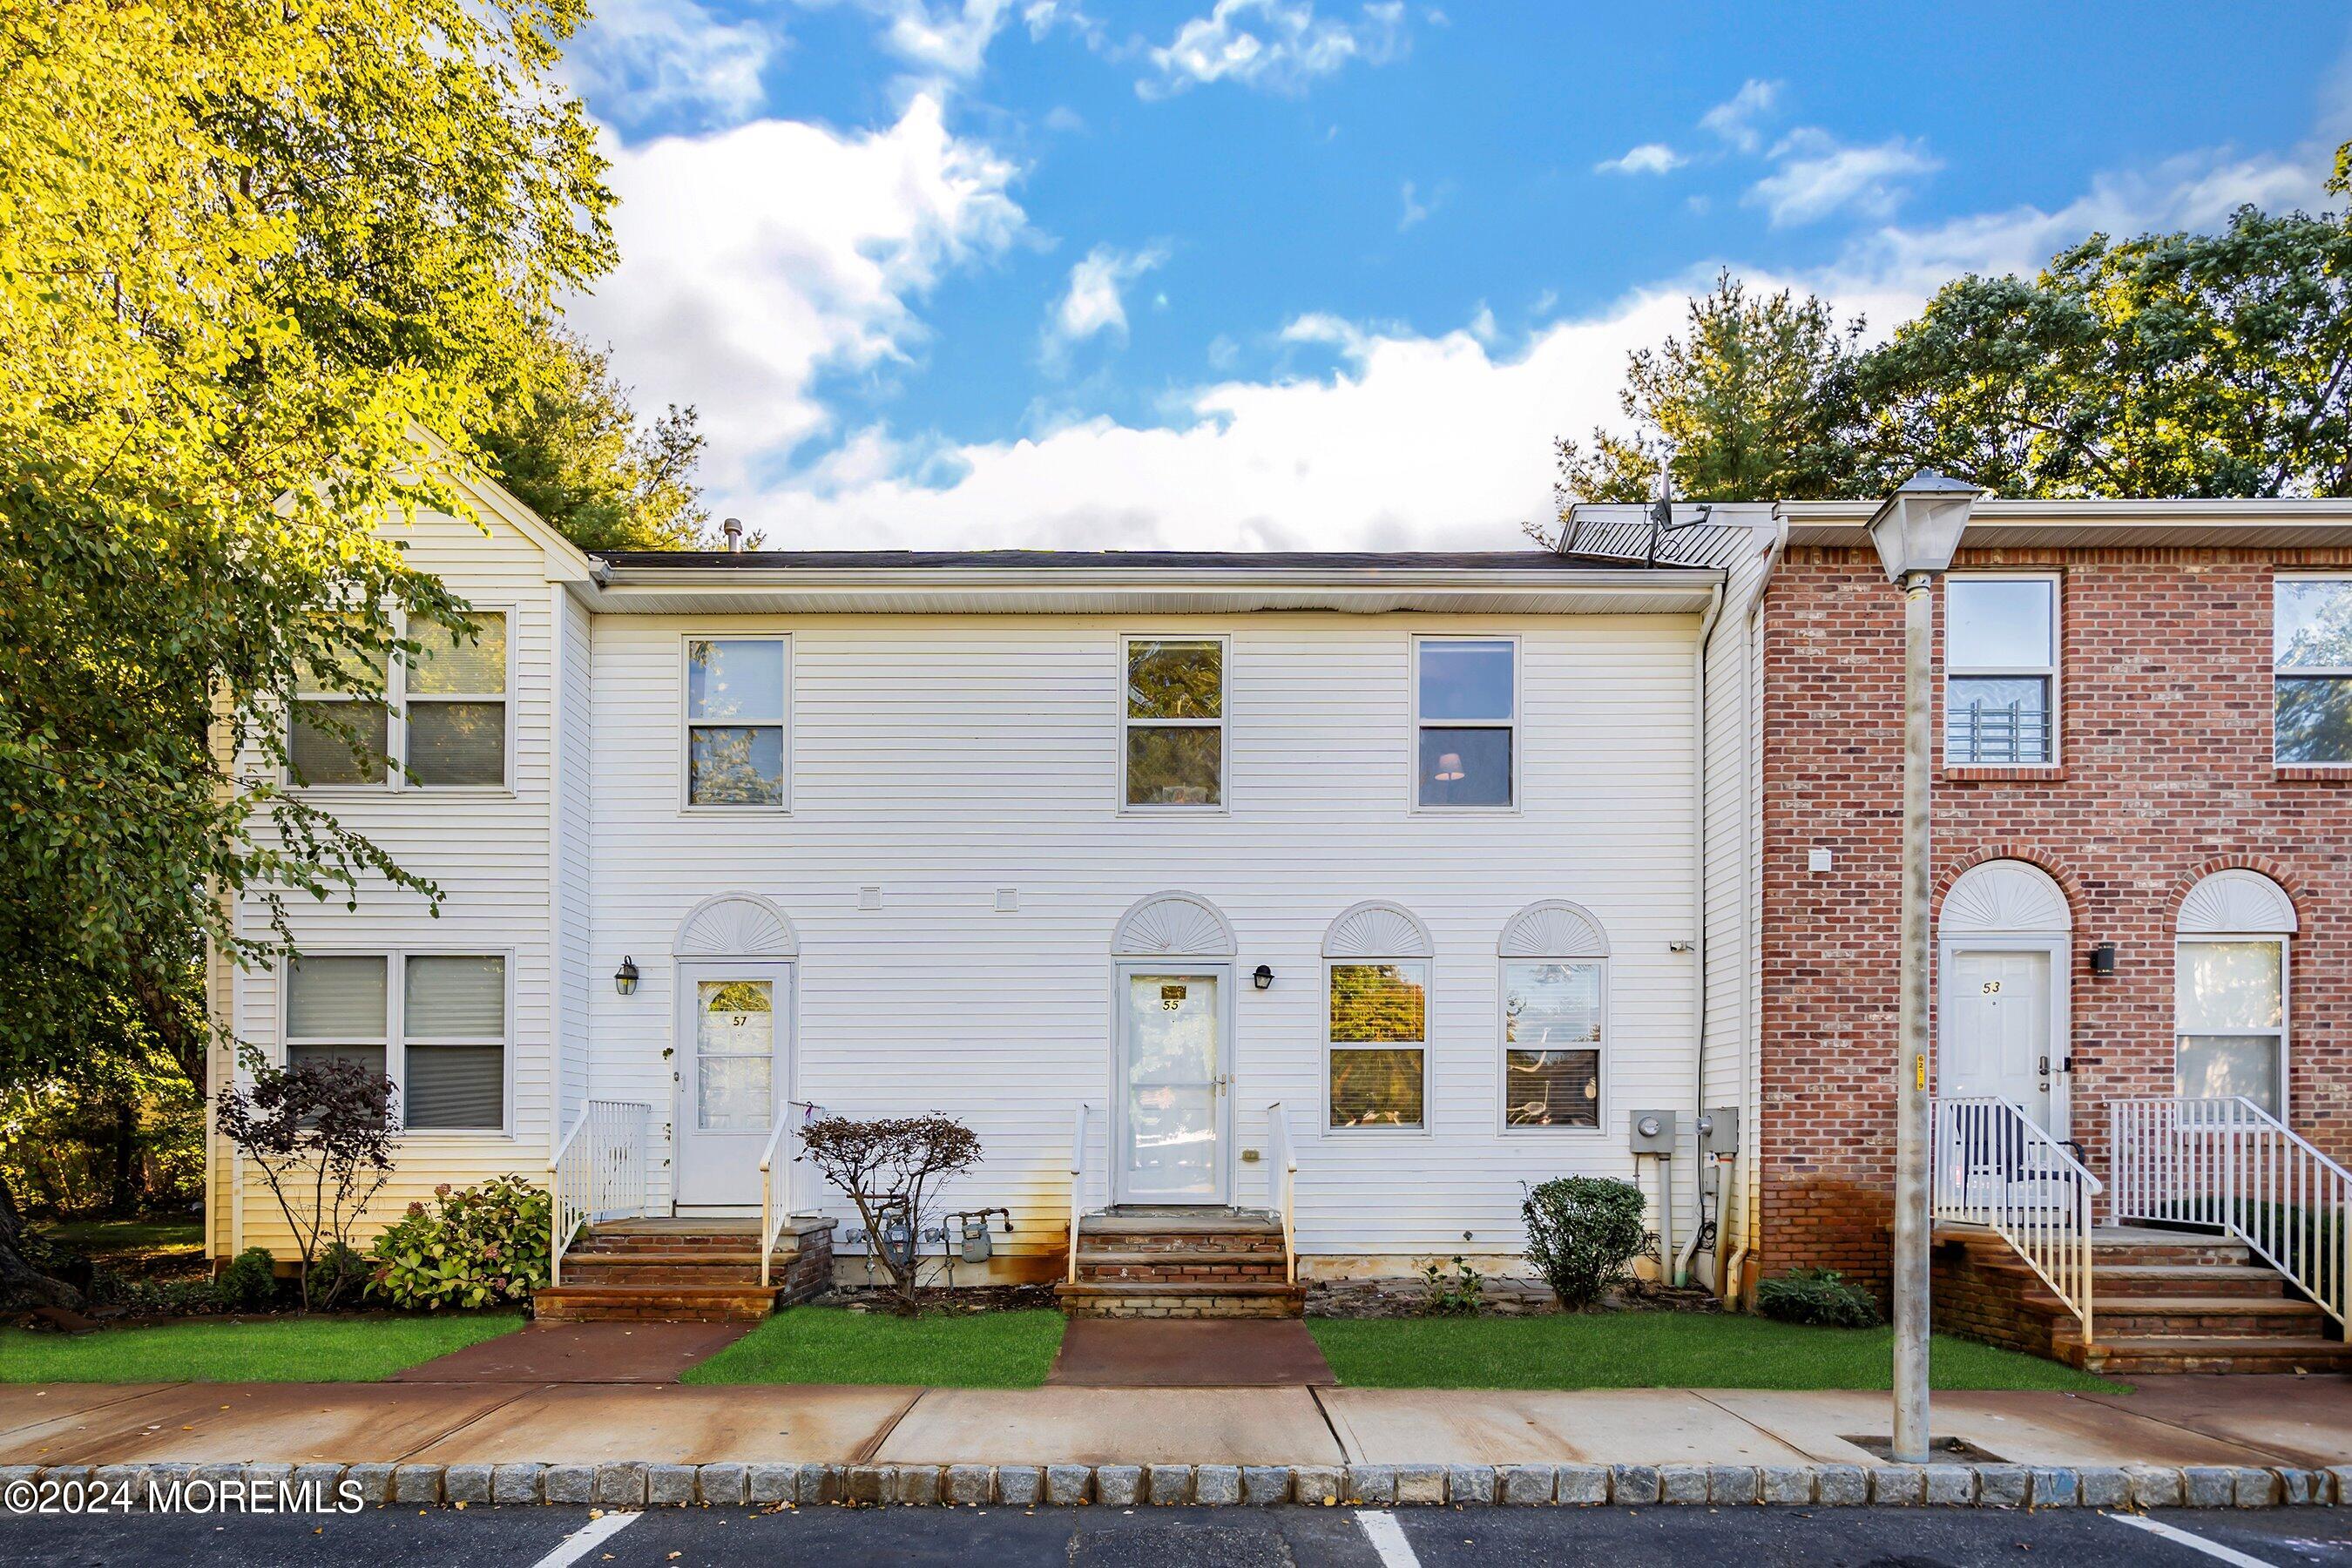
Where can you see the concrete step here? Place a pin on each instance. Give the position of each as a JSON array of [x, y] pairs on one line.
[[1139, 1298], [2147, 1354], [652, 1303]]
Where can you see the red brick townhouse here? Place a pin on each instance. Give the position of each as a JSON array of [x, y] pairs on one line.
[[2142, 872]]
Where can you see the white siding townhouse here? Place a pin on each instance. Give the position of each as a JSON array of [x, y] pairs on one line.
[[1163, 872]]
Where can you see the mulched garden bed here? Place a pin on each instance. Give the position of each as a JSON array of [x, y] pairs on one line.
[[940, 1299], [1407, 1297]]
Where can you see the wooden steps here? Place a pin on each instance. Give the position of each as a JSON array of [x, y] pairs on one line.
[[686, 1271], [1213, 1264], [2162, 1302]]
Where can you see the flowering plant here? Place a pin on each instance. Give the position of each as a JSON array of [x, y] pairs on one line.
[[479, 1247]]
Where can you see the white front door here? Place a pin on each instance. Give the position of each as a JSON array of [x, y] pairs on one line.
[[1997, 1030], [1169, 1130], [734, 1057]]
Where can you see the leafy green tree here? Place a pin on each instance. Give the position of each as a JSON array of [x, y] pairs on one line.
[[263, 268], [2172, 364], [1756, 401], [570, 447]]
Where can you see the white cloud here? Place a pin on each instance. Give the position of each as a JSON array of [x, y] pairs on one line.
[[755, 259], [1734, 119], [1415, 210], [1093, 303], [950, 39], [645, 59], [1818, 175], [1649, 158], [1277, 44]]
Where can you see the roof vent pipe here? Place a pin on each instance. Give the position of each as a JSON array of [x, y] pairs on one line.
[[733, 529]]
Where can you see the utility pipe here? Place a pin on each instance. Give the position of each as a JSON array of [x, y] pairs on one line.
[[1680, 1274]]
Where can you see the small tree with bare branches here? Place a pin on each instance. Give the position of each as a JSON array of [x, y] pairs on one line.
[[890, 1167], [320, 1132]]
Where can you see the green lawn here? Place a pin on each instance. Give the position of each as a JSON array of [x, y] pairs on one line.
[[255, 1350], [941, 1350], [1653, 1350]]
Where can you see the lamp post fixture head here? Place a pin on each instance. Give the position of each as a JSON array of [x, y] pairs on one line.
[[1917, 529]]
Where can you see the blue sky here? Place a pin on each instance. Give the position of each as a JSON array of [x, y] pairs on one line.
[[1272, 273]]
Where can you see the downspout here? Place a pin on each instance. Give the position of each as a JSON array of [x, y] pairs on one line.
[[1750, 1071], [1698, 934]]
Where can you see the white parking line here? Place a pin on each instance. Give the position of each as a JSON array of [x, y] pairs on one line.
[[586, 1539], [2194, 1542], [1388, 1539]]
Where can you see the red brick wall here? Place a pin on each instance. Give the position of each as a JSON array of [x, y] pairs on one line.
[[2165, 775]]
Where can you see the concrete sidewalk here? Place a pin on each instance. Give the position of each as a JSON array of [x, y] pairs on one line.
[[2183, 1421]]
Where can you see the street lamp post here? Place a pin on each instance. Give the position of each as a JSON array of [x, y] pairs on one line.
[[1916, 532]]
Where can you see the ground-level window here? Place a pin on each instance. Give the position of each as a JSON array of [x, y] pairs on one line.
[[735, 694], [2311, 651], [1551, 1043], [2230, 987], [1379, 1042], [1173, 722], [434, 1023]]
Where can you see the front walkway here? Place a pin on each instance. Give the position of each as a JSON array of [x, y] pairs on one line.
[[2219, 1421]]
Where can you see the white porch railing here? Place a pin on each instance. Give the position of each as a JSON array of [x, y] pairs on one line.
[[1077, 1184], [598, 1173], [1282, 1177], [1997, 1168], [2231, 1165], [783, 1140]]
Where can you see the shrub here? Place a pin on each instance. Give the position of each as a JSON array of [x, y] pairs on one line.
[[1582, 1231], [891, 1168], [249, 1283], [321, 1134], [480, 1247], [1460, 1295], [1823, 1297]]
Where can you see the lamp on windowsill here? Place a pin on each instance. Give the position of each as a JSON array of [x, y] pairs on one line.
[[1449, 768], [624, 979]]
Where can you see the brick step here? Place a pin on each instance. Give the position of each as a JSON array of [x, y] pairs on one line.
[[652, 1303], [2134, 1279], [2194, 1317], [2194, 1249], [665, 1241], [2123, 1353], [1180, 1242], [1224, 1259], [695, 1272], [1124, 1298]]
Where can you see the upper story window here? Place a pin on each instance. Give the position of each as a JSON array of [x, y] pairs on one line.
[[1466, 718], [2311, 651], [440, 723], [735, 721], [434, 1023], [1174, 723], [2000, 670]]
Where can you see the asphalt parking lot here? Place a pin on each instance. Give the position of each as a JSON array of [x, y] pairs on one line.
[[1188, 1538]]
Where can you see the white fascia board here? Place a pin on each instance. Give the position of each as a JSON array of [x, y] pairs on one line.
[[2219, 521]]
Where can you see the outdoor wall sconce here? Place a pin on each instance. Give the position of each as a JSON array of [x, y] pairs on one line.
[[2103, 959], [624, 979], [1262, 978]]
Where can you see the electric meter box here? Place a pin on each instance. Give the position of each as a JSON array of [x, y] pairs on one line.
[[1653, 1133], [1718, 1132]]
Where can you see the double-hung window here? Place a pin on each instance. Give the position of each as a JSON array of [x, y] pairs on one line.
[[435, 1024], [1465, 720], [1173, 724], [2311, 655], [440, 721], [1379, 1042], [1552, 1043], [2000, 672], [2230, 1015], [736, 692]]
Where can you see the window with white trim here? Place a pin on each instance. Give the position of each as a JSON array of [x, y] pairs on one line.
[[1378, 1041], [1465, 715], [439, 1031], [2000, 670], [1552, 1042], [737, 693], [1172, 723], [440, 721], [2311, 658]]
